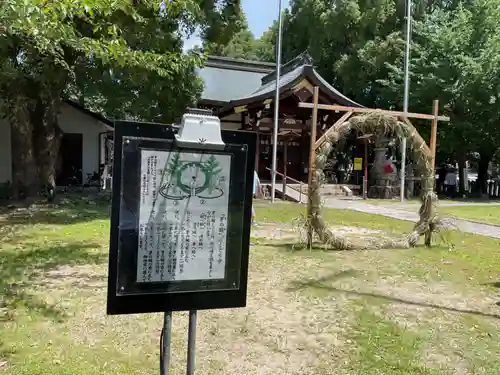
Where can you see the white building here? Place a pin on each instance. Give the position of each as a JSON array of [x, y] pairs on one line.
[[82, 146]]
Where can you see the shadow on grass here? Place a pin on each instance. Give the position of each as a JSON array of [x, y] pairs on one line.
[[494, 284], [320, 284], [69, 209], [317, 247], [18, 269]]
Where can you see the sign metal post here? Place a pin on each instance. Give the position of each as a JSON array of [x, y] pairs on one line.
[[180, 221], [191, 351], [165, 340]]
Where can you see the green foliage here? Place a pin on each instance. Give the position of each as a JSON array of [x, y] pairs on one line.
[[242, 45], [265, 46], [358, 46], [122, 57]]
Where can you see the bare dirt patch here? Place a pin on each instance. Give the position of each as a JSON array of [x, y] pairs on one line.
[[439, 295], [64, 279], [279, 332], [281, 231]]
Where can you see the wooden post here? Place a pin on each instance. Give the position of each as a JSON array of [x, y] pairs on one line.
[[285, 162], [435, 109], [365, 177], [312, 165]]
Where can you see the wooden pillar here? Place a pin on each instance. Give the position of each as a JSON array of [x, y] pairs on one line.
[[435, 109], [312, 165], [285, 162]]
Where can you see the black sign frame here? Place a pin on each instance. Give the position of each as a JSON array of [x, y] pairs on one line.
[[153, 297]]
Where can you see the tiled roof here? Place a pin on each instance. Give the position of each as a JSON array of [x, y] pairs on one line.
[[223, 85], [234, 82], [290, 79]]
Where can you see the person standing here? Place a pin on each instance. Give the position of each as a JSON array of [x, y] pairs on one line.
[[257, 193], [451, 182], [442, 171]]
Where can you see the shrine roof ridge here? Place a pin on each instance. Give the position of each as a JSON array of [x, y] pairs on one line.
[[239, 64], [288, 81], [303, 59]]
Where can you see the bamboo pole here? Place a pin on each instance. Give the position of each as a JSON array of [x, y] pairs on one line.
[[312, 159]]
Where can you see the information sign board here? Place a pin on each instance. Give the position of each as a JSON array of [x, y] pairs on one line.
[[180, 223], [358, 164]]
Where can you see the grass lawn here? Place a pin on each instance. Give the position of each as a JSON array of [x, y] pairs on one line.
[[419, 311], [483, 214]]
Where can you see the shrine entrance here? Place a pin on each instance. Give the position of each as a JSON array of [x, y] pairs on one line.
[[289, 155], [256, 111]]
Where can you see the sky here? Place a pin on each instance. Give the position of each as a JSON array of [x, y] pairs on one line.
[[260, 15]]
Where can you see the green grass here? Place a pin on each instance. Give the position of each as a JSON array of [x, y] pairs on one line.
[[483, 214], [386, 348], [309, 312], [285, 212], [474, 258]]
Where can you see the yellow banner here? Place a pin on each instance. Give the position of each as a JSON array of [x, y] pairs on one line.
[[358, 164]]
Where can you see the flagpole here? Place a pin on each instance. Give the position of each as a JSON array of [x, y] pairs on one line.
[[406, 94], [276, 105]]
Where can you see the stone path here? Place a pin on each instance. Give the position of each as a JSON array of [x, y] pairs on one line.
[[463, 225], [442, 203]]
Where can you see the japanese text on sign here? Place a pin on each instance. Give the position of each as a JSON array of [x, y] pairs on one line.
[[183, 216]]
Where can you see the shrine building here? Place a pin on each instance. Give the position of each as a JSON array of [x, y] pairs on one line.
[[241, 93]]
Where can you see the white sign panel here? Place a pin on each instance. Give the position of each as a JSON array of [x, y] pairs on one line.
[[183, 216]]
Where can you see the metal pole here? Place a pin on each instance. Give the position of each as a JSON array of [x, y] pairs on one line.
[[406, 94], [276, 105], [191, 352], [165, 345]]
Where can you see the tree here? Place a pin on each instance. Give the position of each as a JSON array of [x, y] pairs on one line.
[[265, 46], [242, 45], [358, 46], [456, 59], [126, 56]]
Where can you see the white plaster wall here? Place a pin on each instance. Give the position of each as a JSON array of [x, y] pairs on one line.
[[71, 120]]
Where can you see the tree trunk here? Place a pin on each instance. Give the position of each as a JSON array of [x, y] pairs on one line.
[[47, 140], [24, 172]]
